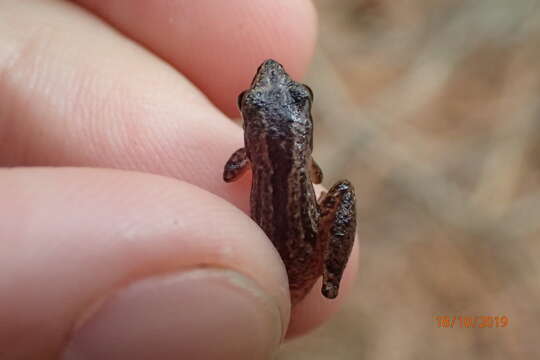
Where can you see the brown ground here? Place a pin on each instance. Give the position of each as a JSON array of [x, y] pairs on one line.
[[432, 109]]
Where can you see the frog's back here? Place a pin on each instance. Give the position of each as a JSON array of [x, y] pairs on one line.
[[283, 203]]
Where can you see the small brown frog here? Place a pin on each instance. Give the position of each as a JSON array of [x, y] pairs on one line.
[[313, 237]]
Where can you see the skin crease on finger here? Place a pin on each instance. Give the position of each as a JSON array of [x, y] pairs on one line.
[[63, 103]]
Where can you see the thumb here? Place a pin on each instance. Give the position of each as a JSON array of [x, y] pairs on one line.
[[106, 264]]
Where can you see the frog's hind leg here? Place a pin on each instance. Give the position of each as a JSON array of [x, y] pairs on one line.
[[236, 166], [337, 229]]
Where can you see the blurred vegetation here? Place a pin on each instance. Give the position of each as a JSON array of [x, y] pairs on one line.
[[432, 109]]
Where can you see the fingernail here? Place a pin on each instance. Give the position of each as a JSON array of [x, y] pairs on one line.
[[198, 314]]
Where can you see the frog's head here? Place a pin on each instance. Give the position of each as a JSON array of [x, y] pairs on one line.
[[270, 74], [275, 98]]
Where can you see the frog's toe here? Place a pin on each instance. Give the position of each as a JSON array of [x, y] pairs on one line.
[[330, 290]]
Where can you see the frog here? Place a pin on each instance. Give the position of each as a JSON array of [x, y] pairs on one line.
[[313, 236]]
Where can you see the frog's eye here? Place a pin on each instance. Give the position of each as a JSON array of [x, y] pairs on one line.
[[301, 93], [310, 92], [240, 98]]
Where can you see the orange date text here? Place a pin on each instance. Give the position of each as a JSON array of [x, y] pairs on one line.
[[480, 322]]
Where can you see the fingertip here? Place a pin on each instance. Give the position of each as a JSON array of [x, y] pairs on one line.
[[92, 235], [196, 314], [218, 44]]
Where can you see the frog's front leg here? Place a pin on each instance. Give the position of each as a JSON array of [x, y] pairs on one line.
[[315, 172], [236, 166], [337, 229]]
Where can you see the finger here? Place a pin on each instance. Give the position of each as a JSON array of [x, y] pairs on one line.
[[75, 92], [104, 264], [217, 44]]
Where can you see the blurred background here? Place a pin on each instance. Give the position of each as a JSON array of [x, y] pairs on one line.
[[432, 109]]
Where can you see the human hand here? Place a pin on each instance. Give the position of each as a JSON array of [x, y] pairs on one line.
[[109, 263]]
